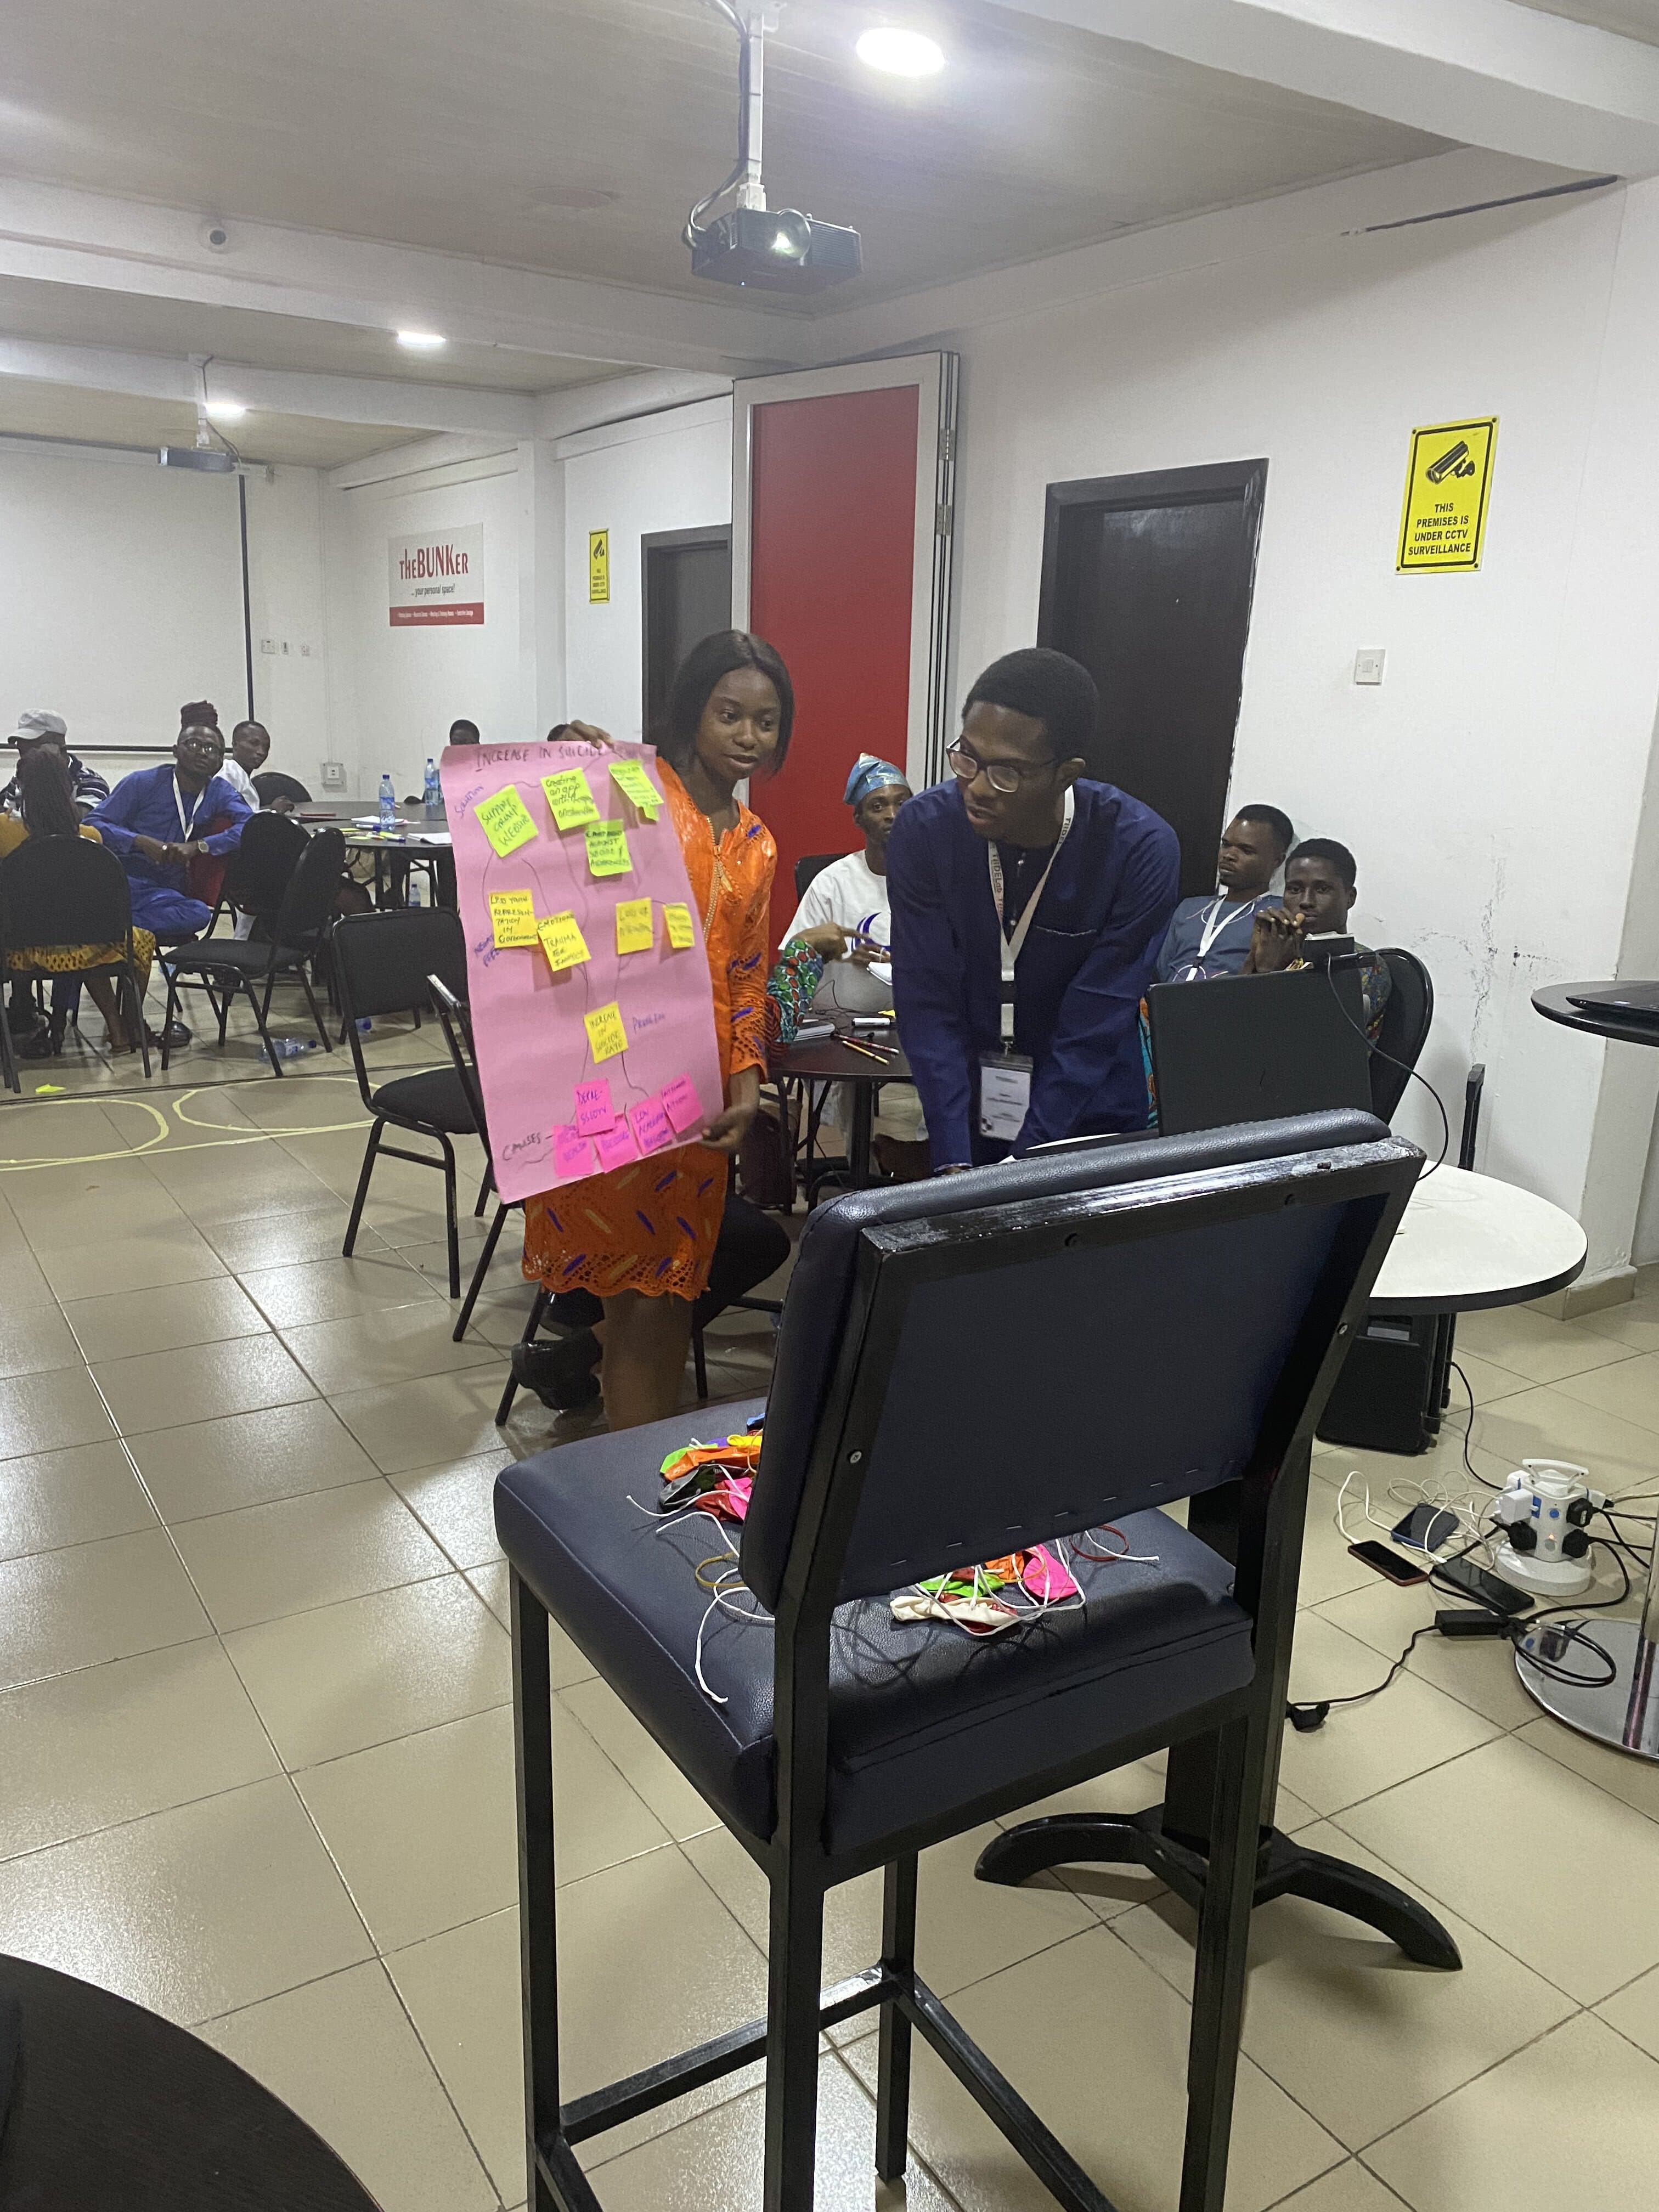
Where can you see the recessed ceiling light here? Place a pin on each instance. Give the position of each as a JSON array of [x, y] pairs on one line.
[[900, 53], [226, 410], [421, 341]]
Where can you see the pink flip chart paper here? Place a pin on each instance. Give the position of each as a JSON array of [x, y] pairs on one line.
[[529, 1021], [682, 1105], [652, 1130], [594, 1112]]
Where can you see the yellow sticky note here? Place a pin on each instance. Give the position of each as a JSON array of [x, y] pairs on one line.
[[570, 797], [607, 850], [680, 932], [631, 780], [512, 917], [506, 821], [606, 1036], [634, 932], [563, 942]]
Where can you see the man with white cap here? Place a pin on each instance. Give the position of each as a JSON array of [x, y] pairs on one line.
[[36, 728]]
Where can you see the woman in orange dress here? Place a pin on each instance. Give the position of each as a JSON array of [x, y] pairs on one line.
[[641, 1238]]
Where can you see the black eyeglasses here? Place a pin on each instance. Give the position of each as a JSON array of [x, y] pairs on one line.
[[1005, 776]]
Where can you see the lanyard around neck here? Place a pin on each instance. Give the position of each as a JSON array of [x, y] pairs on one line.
[[1013, 942], [1215, 918], [178, 801]]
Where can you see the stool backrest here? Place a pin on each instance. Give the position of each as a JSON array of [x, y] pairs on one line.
[[383, 960], [259, 870], [307, 903], [64, 890], [969, 1367]]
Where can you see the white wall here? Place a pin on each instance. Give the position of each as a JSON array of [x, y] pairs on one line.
[[121, 596], [394, 693], [668, 471], [1491, 787]]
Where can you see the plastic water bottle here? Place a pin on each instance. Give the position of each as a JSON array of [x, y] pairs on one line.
[[388, 804], [293, 1048], [435, 790]]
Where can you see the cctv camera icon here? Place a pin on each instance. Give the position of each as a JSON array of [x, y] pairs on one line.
[[1455, 462]]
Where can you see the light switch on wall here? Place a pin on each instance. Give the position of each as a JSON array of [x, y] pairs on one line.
[[1368, 665], [333, 775]]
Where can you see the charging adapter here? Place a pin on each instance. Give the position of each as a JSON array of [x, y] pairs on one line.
[[1453, 1621]]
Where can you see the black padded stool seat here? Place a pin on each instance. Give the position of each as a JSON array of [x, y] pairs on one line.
[[922, 1717], [433, 1098]]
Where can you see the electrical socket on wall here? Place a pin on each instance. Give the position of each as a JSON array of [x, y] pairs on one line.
[[1368, 665], [333, 774]]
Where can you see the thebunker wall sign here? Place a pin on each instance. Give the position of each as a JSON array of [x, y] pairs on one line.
[[1447, 484]]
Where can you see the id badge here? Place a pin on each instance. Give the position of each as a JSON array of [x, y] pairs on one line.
[[1004, 1095]]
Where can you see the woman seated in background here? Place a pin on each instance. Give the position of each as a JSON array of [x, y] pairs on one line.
[[47, 811]]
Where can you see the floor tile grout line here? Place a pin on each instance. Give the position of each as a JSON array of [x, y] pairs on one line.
[[1580, 2012]]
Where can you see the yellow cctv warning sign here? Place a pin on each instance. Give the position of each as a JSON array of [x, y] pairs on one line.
[[1447, 481], [599, 567]]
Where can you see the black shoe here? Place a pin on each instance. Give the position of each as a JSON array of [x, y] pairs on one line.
[[177, 1035], [45, 1041], [561, 1373]]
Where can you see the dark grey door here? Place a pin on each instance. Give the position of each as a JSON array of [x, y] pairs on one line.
[[1146, 579], [687, 591]]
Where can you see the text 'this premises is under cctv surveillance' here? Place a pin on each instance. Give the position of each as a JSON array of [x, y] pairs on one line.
[[771, 250]]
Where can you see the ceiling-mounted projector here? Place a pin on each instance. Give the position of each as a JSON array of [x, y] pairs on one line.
[[766, 249]]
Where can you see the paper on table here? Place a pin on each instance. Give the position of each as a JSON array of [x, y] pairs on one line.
[[678, 920], [506, 821], [563, 942], [529, 1025], [631, 780], [634, 932], [607, 850], [606, 1036], [570, 796], [513, 918], [594, 1111]]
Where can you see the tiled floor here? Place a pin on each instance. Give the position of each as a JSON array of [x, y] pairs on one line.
[[255, 1743]]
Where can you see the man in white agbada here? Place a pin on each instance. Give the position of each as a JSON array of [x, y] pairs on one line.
[[845, 915]]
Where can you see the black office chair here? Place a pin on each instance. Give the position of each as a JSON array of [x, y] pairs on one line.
[[965, 1369], [259, 871], [1404, 1030], [457, 1024], [381, 965], [68, 892], [811, 865], [297, 932]]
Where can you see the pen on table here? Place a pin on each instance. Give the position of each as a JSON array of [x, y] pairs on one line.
[[869, 1051]]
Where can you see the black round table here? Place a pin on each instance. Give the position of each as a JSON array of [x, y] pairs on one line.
[[112, 2109], [1625, 1711], [830, 1060]]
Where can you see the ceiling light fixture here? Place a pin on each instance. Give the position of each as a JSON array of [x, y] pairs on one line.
[[900, 53], [226, 410], [421, 341]]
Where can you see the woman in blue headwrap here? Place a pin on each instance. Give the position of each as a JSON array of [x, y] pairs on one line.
[[844, 915]]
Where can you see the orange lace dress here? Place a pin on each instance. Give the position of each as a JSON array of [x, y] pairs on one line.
[[652, 1226]]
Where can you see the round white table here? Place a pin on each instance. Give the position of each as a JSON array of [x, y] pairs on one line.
[[1468, 1241]]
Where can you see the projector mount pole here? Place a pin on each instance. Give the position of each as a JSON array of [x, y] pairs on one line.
[[744, 180]]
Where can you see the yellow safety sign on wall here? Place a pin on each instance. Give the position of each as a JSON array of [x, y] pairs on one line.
[[1447, 482], [599, 567]]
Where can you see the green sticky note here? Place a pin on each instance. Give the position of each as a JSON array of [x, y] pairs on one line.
[[631, 780], [506, 821], [607, 850], [570, 797]]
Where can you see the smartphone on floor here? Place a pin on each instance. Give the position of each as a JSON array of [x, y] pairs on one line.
[[1501, 1597], [1403, 1571]]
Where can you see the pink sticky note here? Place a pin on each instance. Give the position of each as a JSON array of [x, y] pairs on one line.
[[616, 1147], [652, 1128], [682, 1105], [594, 1112], [572, 1155]]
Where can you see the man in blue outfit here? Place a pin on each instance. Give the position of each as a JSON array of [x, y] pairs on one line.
[[1030, 901], [157, 819]]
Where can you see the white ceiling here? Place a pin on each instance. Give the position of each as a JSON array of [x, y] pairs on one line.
[[569, 136], [63, 411], [76, 314], [1631, 19]]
